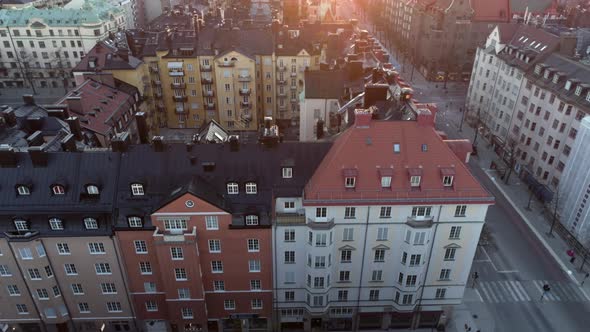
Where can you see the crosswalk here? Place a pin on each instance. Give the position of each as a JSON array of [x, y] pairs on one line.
[[505, 291]]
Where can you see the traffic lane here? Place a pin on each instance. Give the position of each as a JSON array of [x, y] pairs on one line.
[[517, 246], [541, 316]]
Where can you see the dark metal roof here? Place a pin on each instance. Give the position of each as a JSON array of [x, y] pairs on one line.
[[324, 84]]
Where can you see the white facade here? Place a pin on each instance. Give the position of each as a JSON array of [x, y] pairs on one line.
[[384, 270], [575, 187], [311, 111]]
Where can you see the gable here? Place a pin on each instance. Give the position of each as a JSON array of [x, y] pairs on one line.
[[188, 204]]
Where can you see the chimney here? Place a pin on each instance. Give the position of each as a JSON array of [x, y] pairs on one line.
[[234, 143], [158, 143], [425, 117], [9, 117], [38, 155], [35, 123], [120, 142], [28, 100], [8, 156], [376, 76], [68, 143], [567, 43], [189, 146], [375, 93], [362, 118], [355, 70], [35, 139], [57, 111], [74, 104], [142, 127], [75, 128]]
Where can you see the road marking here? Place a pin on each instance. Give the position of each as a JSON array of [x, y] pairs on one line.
[[516, 290], [510, 291], [479, 295], [490, 259], [508, 271], [498, 291], [492, 299], [519, 286]]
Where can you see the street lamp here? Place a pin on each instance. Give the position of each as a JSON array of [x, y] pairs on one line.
[[528, 206], [546, 288]]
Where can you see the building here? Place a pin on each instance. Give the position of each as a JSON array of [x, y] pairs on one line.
[[540, 95], [388, 223], [440, 37], [59, 263], [40, 46], [19, 4], [105, 107], [294, 11]]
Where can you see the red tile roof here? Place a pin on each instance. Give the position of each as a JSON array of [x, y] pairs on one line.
[[368, 150]]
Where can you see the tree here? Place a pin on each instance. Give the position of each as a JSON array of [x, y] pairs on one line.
[[24, 60], [510, 151]]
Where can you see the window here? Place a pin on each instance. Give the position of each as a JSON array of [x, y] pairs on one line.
[[254, 265], [255, 285], [450, 254], [22, 309], [415, 260], [48, 271], [251, 188], [102, 268], [176, 253], [320, 262], [415, 181], [83, 307], [349, 212], [348, 234], [421, 211], [374, 295], [21, 225], [289, 277], [460, 210], [411, 280], [253, 245], [218, 285], [13, 290], [232, 188], [287, 172], [90, 223], [137, 189], [92, 189], [447, 180], [289, 205], [229, 304], [379, 255], [134, 222], [56, 291], [25, 253], [290, 235], [187, 313], [214, 246], [440, 293], [321, 212], [140, 247], [211, 223], [96, 248], [289, 257], [175, 224], [151, 306], [385, 212], [445, 274], [407, 299], [345, 256], [149, 287], [455, 232], [349, 182], [377, 275], [216, 267], [320, 240], [290, 296], [386, 181], [145, 267], [180, 274], [251, 220], [58, 189], [70, 269], [108, 288], [63, 248], [77, 289], [23, 190], [42, 294], [4, 271], [419, 238], [114, 307], [56, 224], [184, 293]]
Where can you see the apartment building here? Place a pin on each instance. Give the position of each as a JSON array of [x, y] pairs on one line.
[[59, 264], [538, 115], [40, 46], [385, 239]]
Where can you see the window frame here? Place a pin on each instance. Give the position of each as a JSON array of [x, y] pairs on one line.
[[56, 224], [233, 188], [251, 188], [93, 222], [58, 189], [135, 221], [137, 189]]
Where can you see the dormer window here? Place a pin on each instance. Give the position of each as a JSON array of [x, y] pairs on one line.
[[579, 90], [135, 222], [538, 69], [447, 180], [251, 188], [58, 189], [447, 173], [555, 78], [350, 175], [23, 190], [386, 182], [547, 72], [90, 223], [137, 189], [92, 189], [233, 188], [21, 225], [287, 172], [251, 220], [56, 224], [588, 96], [385, 174], [415, 180], [349, 182], [568, 85]]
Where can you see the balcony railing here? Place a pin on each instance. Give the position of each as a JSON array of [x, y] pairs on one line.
[[293, 87], [180, 110], [283, 107], [186, 236], [293, 74], [282, 94], [245, 104], [205, 80], [176, 73], [281, 81], [179, 98], [279, 68], [205, 68], [226, 64], [320, 224], [157, 82], [420, 222], [244, 92], [290, 219], [178, 85], [244, 78], [210, 106], [208, 93]]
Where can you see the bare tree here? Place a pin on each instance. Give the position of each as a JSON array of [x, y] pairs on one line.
[[510, 156], [24, 62]]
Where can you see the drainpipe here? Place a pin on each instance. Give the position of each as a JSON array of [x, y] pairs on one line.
[[358, 298], [274, 281], [416, 319], [125, 281]]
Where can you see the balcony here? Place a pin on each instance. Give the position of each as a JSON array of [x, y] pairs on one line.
[[244, 78], [186, 236], [244, 92], [294, 100], [290, 219], [317, 224], [180, 110], [21, 235], [293, 87], [226, 64], [158, 94], [208, 93], [279, 68], [154, 69], [176, 73], [179, 98], [177, 85], [205, 80], [294, 74], [283, 107], [210, 106], [281, 81], [206, 68], [157, 82], [282, 94], [246, 104], [420, 222]]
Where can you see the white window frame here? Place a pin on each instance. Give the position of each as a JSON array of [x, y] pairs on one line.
[[63, 248], [450, 254], [184, 293], [379, 256], [256, 304], [42, 294], [415, 180], [214, 246], [23, 190], [254, 265], [251, 188], [447, 180], [90, 223], [455, 232], [135, 222], [151, 306], [253, 245], [350, 182], [114, 307], [108, 288], [92, 189], [70, 269], [77, 289], [25, 253], [103, 268], [460, 210], [229, 304], [140, 247], [13, 290], [180, 274], [177, 253], [58, 189], [137, 189], [187, 313], [382, 233], [211, 223], [252, 220], [218, 285], [173, 225], [216, 266], [83, 307], [56, 224], [440, 293], [4, 271], [96, 248], [287, 172], [233, 188], [386, 182], [255, 285], [21, 225], [22, 309], [145, 268]]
